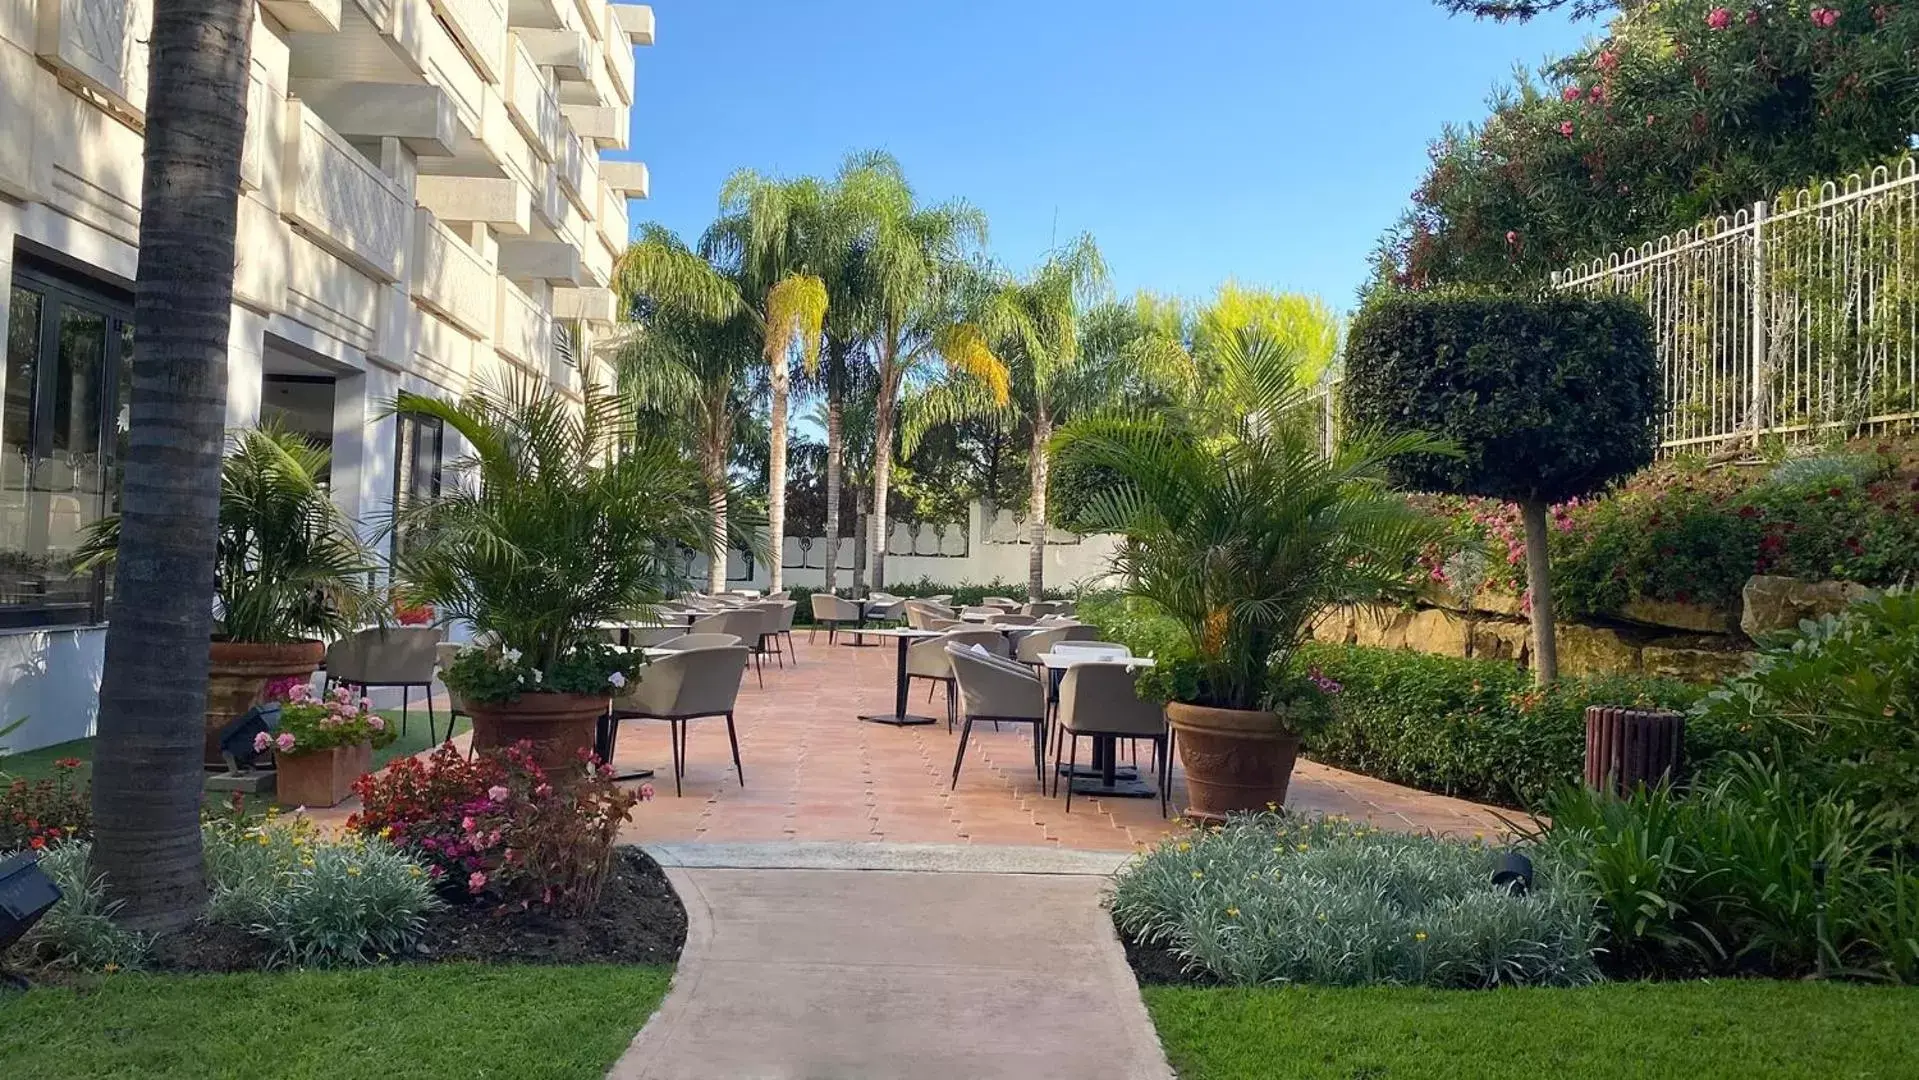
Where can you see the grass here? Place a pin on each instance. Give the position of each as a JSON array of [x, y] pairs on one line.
[[34, 764], [1700, 1030], [387, 1023]]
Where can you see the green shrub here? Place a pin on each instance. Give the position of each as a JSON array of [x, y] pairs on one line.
[[317, 900], [1476, 729], [1270, 898], [1837, 701], [79, 931], [1763, 871]]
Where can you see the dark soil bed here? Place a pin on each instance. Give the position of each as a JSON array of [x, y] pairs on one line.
[[1157, 965], [639, 921]]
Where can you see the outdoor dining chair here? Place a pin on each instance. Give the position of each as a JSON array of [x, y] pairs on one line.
[[1036, 644], [402, 656], [444, 654], [784, 626], [884, 609], [833, 612], [685, 686], [769, 637], [1004, 603], [1007, 618], [1081, 633], [1041, 607], [747, 624], [1101, 700], [997, 689], [927, 660]]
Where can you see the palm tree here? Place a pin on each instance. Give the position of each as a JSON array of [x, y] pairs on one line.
[[1067, 352], [1245, 535], [153, 688], [678, 361], [916, 267], [752, 262]]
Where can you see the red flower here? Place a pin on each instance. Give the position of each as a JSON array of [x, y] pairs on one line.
[[1608, 60], [1719, 18], [1566, 128], [67, 763], [37, 844], [1825, 17], [1571, 93]]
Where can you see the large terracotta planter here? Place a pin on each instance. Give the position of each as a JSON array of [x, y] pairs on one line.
[[1235, 759], [558, 726], [239, 671], [321, 778]]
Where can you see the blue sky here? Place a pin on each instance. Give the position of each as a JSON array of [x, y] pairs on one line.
[[1267, 140]]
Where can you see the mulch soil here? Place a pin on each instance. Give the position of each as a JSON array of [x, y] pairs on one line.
[[1157, 965], [639, 921]]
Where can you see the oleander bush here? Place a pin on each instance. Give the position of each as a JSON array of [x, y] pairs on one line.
[[1275, 898]]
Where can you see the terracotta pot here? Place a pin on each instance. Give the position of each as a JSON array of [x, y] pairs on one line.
[[322, 778], [1235, 759], [558, 725], [239, 671]]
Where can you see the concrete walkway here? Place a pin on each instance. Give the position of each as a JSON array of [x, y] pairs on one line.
[[957, 968]]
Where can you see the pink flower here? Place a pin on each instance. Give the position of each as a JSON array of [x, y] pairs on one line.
[[1566, 128], [497, 793], [1512, 236], [1608, 60], [467, 824], [376, 723], [1719, 18], [646, 792], [1825, 17], [261, 741], [365, 704], [475, 881], [1571, 93], [284, 742]]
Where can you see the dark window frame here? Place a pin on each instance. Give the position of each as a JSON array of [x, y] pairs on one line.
[[410, 484]]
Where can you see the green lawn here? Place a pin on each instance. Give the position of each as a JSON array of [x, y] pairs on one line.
[[454, 1021], [38, 763], [1695, 1031]]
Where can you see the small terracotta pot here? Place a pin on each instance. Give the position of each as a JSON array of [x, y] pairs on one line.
[[322, 778], [558, 726], [239, 670], [1235, 759]]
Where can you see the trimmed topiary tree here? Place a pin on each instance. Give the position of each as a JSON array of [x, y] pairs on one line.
[[1547, 398]]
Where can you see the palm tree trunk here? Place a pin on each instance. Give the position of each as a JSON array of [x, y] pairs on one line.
[[776, 474], [883, 416], [153, 689], [1539, 583], [835, 450], [713, 465], [1037, 466]]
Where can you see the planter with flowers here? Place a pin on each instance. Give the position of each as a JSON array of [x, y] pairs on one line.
[[574, 521], [289, 570], [324, 743], [1244, 534]]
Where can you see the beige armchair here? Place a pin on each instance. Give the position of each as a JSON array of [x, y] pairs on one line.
[[443, 655], [1004, 603], [685, 686], [1100, 700], [1036, 644], [749, 624], [834, 612], [402, 656], [885, 609], [1008, 618], [927, 660], [919, 612], [1041, 607], [997, 689]]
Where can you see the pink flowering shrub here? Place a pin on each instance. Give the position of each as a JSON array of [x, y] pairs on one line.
[[495, 829], [310, 723]]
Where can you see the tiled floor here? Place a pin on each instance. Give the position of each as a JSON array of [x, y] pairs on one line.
[[814, 771]]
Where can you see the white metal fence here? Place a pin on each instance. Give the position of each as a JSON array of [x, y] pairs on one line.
[[1793, 319]]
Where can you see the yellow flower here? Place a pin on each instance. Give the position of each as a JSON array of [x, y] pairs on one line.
[[263, 840], [1419, 935], [353, 871], [413, 871], [1273, 807], [1302, 847], [1232, 912], [111, 968], [386, 832], [1182, 846], [1197, 874]]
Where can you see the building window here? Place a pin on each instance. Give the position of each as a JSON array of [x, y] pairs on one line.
[[62, 435], [416, 468]]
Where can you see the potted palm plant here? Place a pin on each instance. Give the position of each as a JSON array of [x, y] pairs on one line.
[[290, 569], [575, 519], [1244, 531]]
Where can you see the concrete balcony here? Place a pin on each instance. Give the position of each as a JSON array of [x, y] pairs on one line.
[[586, 305], [98, 44], [570, 169], [615, 227], [305, 16], [628, 178], [568, 52], [339, 199], [523, 333], [450, 278], [563, 373], [420, 115], [554, 261], [635, 20], [530, 102], [618, 50], [603, 125], [504, 204], [480, 28], [397, 42]]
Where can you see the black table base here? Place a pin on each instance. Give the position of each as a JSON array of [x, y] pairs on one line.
[[603, 747], [899, 720], [899, 717], [1118, 789]]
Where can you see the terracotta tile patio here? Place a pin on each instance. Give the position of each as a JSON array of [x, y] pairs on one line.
[[814, 771]]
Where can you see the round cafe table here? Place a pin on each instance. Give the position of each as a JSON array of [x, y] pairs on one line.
[[899, 717]]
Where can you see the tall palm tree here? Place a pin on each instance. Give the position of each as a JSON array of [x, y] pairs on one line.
[[153, 688], [753, 262], [914, 268], [678, 361], [1069, 352]]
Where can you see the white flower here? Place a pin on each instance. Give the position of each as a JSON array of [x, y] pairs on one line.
[[511, 656], [536, 676], [618, 680]]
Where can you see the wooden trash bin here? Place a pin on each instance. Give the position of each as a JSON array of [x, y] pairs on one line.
[[1626, 748]]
